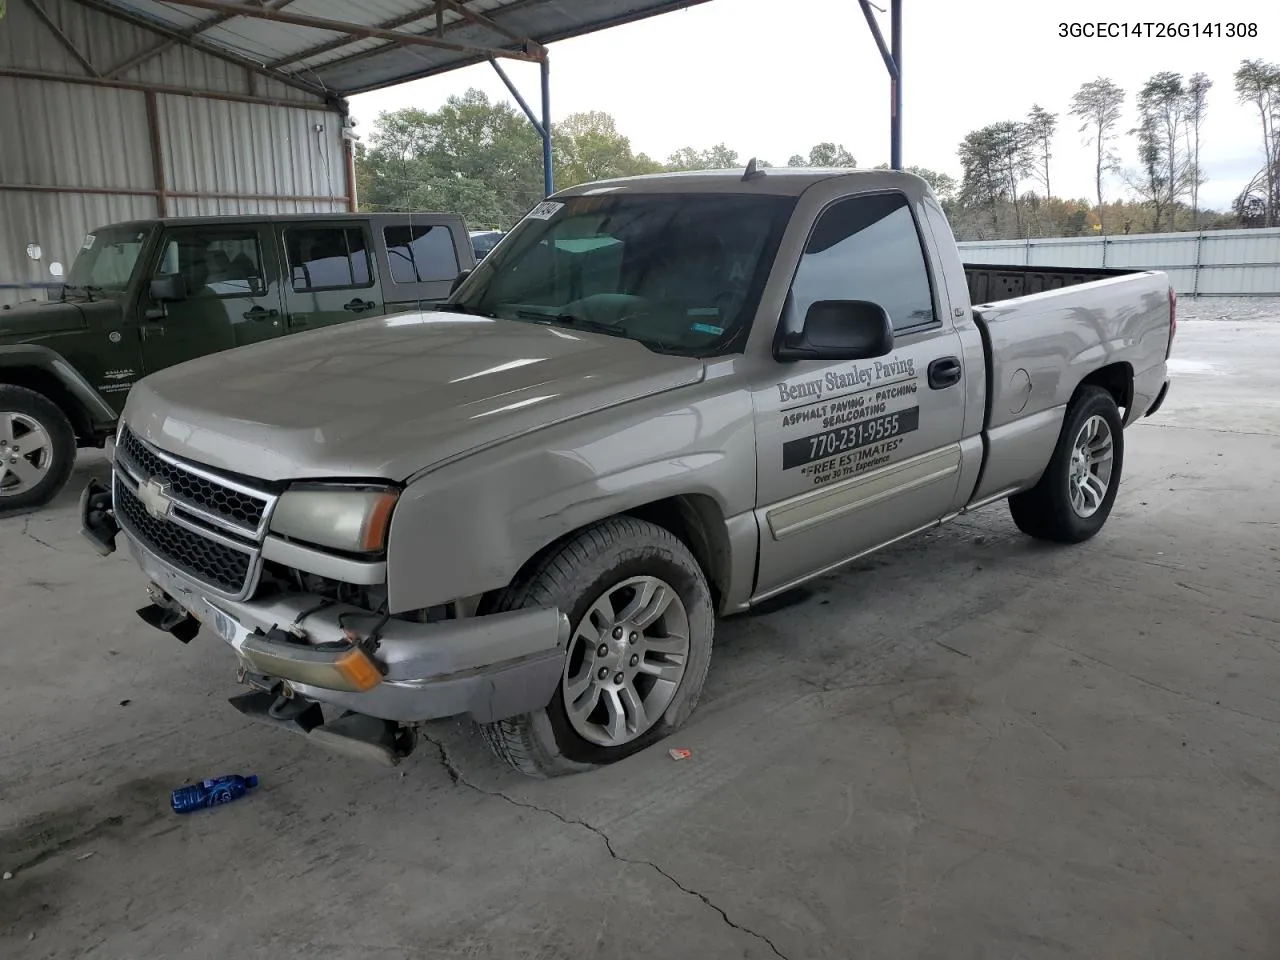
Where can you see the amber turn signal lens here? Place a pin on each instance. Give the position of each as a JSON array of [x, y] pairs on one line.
[[358, 669], [378, 522]]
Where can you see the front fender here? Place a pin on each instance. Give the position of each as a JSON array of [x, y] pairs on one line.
[[470, 526], [34, 356]]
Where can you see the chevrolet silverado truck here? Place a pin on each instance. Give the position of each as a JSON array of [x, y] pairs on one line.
[[146, 295], [660, 400]]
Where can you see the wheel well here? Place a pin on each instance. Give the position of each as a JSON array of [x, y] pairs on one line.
[[1117, 380], [45, 383], [695, 519]]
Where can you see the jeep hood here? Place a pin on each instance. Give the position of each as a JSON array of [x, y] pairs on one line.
[[386, 397], [40, 317]]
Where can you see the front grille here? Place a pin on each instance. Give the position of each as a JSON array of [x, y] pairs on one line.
[[221, 567], [241, 509]]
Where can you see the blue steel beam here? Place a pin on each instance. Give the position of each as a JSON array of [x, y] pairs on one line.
[[541, 127]]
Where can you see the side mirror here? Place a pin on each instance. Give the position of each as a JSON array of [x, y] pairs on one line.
[[839, 330], [169, 289], [457, 281]]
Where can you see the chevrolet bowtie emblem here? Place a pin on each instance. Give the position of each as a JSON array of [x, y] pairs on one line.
[[155, 498]]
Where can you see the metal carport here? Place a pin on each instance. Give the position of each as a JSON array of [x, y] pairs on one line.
[[120, 109]]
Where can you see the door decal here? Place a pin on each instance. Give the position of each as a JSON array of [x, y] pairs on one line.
[[848, 420]]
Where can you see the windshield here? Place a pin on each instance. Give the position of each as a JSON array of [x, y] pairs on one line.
[[679, 273], [106, 261]]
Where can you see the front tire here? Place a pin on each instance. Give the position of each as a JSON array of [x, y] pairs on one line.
[[1074, 497], [642, 628], [37, 448]]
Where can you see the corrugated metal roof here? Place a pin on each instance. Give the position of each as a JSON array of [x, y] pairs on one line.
[[348, 61]]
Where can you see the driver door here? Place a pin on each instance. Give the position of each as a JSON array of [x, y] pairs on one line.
[[233, 294], [854, 454]]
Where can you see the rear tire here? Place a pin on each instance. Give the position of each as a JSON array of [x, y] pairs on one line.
[[630, 677], [37, 448], [1074, 497]]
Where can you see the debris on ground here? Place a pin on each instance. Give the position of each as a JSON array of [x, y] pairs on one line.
[[86, 856], [680, 753], [8, 875], [211, 793]]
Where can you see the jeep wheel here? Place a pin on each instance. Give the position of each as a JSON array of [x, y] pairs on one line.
[[642, 626], [37, 448], [1074, 496]]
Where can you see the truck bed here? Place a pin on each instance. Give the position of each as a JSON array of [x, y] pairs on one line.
[[989, 283]]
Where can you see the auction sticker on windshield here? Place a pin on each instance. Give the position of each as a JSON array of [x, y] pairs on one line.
[[848, 420], [545, 210]]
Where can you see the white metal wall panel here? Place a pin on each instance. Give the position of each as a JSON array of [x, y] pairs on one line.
[[210, 207], [1215, 262], [190, 69], [58, 222], [68, 135], [216, 146]]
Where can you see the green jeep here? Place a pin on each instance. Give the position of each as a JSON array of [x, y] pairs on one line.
[[146, 295]]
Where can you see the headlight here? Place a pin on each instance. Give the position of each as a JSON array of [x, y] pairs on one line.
[[354, 519]]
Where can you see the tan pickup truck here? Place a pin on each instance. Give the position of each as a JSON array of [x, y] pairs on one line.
[[659, 400]]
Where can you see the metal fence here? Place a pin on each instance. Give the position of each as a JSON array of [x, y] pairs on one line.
[[1209, 263]]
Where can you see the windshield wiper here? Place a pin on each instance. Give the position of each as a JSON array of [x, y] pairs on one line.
[[463, 308], [569, 320]]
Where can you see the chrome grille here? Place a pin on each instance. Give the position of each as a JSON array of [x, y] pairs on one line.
[[225, 569], [242, 509], [208, 527]]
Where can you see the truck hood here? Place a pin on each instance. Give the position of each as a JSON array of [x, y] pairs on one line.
[[386, 397]]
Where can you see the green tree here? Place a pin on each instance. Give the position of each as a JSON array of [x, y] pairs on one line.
[[589, 147], [1162, 176], [1198, 87], [983, 184], [825, 154], [1257, 82], [471, 156], [718, 157], [1097, 105], [1040, 127], [943, 185]]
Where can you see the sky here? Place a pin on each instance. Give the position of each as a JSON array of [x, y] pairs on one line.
[[770, 79]]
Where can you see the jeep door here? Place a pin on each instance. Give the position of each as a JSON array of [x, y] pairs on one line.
[[331, 275], [423, 255], [854, 454], [232, 293]]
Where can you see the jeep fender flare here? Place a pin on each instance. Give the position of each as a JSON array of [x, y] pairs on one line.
[[94, 411]]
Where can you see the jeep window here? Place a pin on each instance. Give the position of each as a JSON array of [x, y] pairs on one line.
[[681, 273], [221, 264], [327, 258], [108, 258], [420, 253], [866, 248]]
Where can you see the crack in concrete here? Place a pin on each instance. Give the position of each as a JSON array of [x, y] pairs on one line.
[[26, 532], [456, 777]]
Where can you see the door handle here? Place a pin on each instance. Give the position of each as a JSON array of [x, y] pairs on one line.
[[356, 305], [944, 372], [149, 330], [259, 313]]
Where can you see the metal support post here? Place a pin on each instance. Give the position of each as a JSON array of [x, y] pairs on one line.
[[893, 63], [541, 127], [548, 176], [895, 128]]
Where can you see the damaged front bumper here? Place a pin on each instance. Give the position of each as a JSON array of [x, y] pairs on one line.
[[299, 651]]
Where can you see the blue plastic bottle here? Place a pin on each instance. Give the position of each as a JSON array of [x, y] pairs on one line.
[[210, 793]]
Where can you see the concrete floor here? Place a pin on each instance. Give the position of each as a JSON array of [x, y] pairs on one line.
[[968, 746]]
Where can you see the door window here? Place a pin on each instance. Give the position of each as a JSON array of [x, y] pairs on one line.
[[420, 253], [327, 258], [867, 248], [218, 265]]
